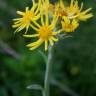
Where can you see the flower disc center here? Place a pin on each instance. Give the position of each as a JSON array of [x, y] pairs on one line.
[[45, 32], [28, 17]]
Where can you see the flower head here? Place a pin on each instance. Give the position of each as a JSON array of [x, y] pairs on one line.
[[69, 25], [27, 18], [71, 15], [73, 11], [45, 33], [76, 12]]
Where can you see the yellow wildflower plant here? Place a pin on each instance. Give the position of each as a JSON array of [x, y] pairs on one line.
[[28, 17], [45, 32]]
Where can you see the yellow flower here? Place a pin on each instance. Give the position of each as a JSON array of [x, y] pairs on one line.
[[28, 17], [45, 32], [69, 25], [74, 11], [70, 15]]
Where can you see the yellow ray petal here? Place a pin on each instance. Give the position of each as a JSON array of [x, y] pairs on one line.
[[20, 13], [34, 35], [54, 39], [17, 19], [35, 28], [67, 21], [62, 4], [27, 8], [37, 24], [20, 28], [51, 42], [35, 43], [38, 9], [36, 17], [46, 45], [17, 22], [42, 17], [57, 32], [34, 47], [53, 24], [33, 8], [16, 25]]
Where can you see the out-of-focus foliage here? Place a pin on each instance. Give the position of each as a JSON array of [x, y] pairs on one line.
[[74, 61]]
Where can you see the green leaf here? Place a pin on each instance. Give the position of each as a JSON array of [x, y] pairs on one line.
[[35, 87]]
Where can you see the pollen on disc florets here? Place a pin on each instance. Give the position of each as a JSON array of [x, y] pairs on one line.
[[28, 17], [45, 32]]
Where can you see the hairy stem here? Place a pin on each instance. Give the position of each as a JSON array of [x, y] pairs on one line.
[[48, 73]]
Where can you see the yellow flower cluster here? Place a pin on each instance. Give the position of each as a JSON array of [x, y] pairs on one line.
[[43, 16], [71, 15]]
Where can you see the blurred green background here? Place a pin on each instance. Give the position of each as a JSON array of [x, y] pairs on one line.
[[74, 61]]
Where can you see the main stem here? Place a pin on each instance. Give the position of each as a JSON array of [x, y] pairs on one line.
[[48, 73]]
